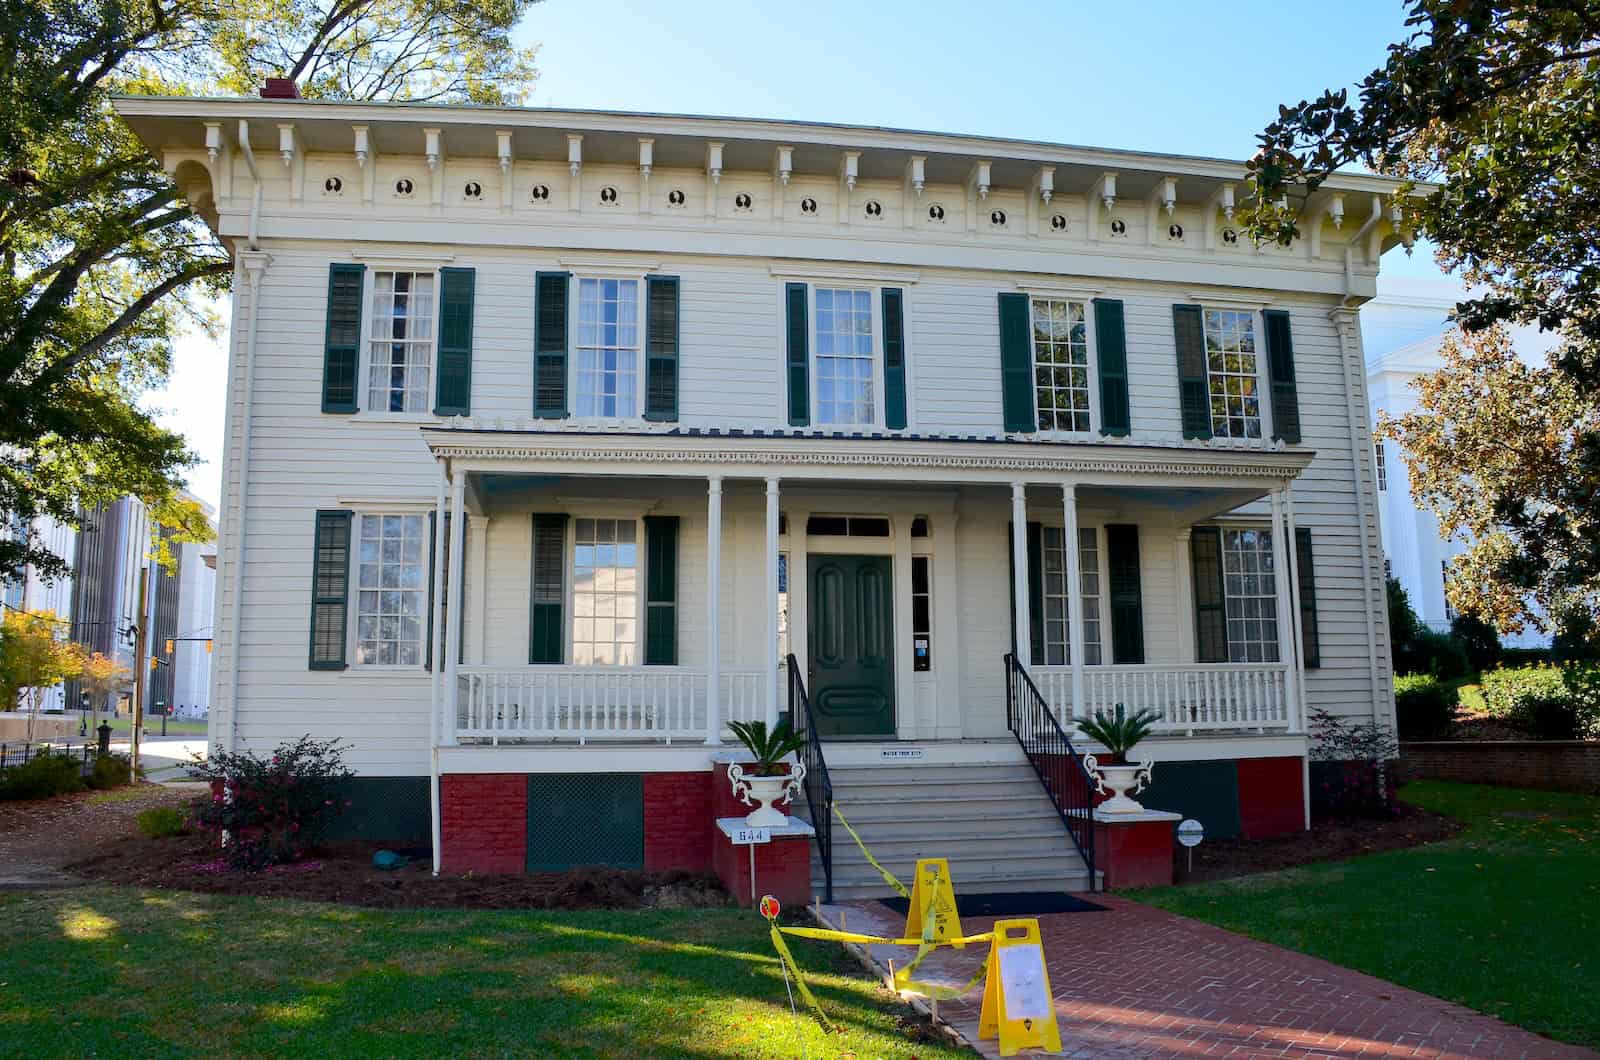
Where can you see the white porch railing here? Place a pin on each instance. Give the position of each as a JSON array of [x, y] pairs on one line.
[[582, 703], [1189, 697]]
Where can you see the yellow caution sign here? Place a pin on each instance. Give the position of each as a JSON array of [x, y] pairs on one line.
[[933, 899], [1017, 1004]]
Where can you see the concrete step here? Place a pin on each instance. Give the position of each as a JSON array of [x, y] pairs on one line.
[[928, 775], [1031, 821], [994, 806], [856, 887]]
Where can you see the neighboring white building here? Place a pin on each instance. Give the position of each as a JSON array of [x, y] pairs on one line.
[[32, 593], [1402, 330], [191, 664], [615, 372]]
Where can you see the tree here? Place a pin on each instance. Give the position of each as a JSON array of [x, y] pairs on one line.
[[34, 656], [1497, 103], [102, 261], [101, 677]]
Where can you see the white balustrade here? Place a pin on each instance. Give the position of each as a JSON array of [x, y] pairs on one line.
[[582, 703], [1188, 698]]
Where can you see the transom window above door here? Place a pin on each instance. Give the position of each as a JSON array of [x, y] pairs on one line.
[[1232, 373], [607, 369], [400, 345], [1061, 364], [846, 395]]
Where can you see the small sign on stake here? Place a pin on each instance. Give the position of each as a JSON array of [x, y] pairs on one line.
[[740, 837], [1190, 833]]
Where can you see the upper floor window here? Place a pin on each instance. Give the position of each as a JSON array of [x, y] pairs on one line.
[[1250, 595], [1231, 372], [1061, 364], [1381, 465], [391, 582], [401, 342], [607, 370], [605, 592], [845, 358]]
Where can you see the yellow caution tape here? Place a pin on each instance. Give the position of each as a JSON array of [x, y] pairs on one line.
[[799, 980], [888, 877], [829, 935]]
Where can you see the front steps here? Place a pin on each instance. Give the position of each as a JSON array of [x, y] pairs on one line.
[[991, 820]]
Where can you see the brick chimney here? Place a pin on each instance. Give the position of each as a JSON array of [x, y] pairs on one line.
[[280, 88]]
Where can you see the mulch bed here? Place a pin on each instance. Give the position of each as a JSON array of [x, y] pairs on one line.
[[49, 833], [1329, 840], [344, 873]]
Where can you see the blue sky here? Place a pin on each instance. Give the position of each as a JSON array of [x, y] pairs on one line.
[[1188, 78]]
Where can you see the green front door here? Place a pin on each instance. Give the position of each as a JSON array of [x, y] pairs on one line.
[[851, 645]]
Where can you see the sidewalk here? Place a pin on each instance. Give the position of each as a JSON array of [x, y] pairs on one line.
[[1136, 981]]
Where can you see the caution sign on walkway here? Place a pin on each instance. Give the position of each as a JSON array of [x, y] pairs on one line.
[[1017, 1004], [932, 890]]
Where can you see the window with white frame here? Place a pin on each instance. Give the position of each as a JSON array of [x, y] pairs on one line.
[[605, 592], [1250, 595], [607, 363], [391, 579], [401, 342], [845, 361], [1057, 646], [1231, 373], [1061, 364], [1382, 467]]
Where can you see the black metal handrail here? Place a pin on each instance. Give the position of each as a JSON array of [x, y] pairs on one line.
[[818, 785], [1050, 752]]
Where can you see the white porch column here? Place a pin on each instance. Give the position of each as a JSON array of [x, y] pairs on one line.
[[1069, 516], [452, 634], [441, 728], [771, 654], [1184, 576], [714, 611], [1297, 717], [1019, 571], [1286, 638]]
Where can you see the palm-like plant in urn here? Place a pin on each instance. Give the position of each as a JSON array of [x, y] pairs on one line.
[[769, 779], [1118, 733]]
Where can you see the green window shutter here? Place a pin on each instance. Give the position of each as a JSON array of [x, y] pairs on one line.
[[454, 394], [1210, 606], [330, 589], [1016, 363], [1111, 350], [548, 591], [1280, 376], [1194, 389], [798, 332], [550, 345], [661, 590], [1127, 608], [894, 359], [661, 348], [341, 344], [1305, 564], [1035, 593]]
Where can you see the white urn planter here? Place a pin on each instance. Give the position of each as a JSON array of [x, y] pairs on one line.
[[762, 791], [1118, 781]]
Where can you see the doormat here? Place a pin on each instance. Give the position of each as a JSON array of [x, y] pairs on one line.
[[1009, 904]]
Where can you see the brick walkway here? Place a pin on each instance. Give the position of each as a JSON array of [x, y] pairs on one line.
[[1140, 982]]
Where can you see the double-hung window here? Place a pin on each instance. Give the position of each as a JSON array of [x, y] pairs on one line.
[[391, 584], [1250, 595], [1232, 373], [1061, 364], [606, 383], [846, 359], [1057, 645], [605, 592], [401, 342]]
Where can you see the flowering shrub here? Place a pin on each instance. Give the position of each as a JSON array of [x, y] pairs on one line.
[[1352, 767], [271, 809]]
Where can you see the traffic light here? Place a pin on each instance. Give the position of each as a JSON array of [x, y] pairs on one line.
[[171, 646], [208, 646]]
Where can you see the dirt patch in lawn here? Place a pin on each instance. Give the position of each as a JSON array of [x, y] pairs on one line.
[[39, 836], [344, 873], [1331, 840]]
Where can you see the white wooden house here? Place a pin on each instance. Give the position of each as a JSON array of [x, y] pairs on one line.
[[552, 434]]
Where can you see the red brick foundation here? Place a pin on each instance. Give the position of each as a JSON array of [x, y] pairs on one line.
[[783, 869], [1271, 797], [678, 822], [1134, 853], [1553, 765], [483, 822]]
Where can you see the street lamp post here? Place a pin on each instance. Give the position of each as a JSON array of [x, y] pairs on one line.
[[83, 714], [161, 709]]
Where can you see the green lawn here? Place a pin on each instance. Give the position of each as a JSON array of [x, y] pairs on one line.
[[1504, 919], [116, 971], [152, 726]]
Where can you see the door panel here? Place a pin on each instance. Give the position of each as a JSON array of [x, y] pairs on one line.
[[851, 638]]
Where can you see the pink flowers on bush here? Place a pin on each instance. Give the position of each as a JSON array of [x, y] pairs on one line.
[[271, 809]]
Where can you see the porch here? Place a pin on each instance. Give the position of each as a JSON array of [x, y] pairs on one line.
[[897, 583]]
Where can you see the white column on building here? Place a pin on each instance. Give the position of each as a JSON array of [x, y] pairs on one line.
[[1069, 534], [1184, 577], [1286, 640], [1019, 571], [436, 649], [452, 633], [714, 611], [771, 653], [1297, 719]]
